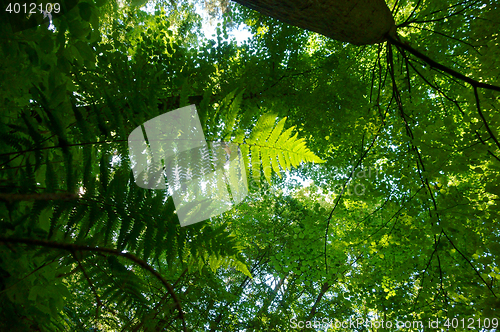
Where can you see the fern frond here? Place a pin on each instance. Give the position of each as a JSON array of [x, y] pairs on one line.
[[277, 131], [110, 224], [232, 113], [161, 232], [104, 174], [85, 131], [266, 164], [75, 216], [245, 151], [274, 148], [148, 241], [255, 150], [126, 221], [135, 233], [274, 162], [16, 141], [51, 182], [262, 129]]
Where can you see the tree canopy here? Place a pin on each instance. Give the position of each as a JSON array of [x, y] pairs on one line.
[[373, 170]]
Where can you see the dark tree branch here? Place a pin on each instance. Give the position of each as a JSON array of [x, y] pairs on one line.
[[392, 217], [426, 268], [438, 89], [441, 67], [492, 135], [425, 181], [324, 289], [65, 196], [411, 14], [450, 37], [75, 247], [470, 263], [407, 22]]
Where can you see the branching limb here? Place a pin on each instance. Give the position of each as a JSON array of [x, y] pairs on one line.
[[75, 247], [438, 89], [411, 14], [441, 67], [482, 118], [407, 22], [426, 268], [470, 263], [450, 37]]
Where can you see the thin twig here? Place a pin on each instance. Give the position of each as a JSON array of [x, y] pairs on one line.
[[343, 190], [97, 298], [482, 118], [470, 263]]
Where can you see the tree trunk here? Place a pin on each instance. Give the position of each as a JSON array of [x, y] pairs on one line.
[[359, 22]]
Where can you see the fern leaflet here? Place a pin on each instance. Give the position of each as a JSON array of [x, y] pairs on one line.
[[271, 147]]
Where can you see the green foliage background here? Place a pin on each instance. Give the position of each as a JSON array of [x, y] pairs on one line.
[[82, 248]]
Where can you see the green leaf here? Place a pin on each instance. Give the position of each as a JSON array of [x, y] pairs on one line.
[[47, 44], [37, 291], [86, 51], [85, 9], [255, 157]]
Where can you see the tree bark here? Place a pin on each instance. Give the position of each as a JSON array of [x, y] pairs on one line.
[[359, 22]]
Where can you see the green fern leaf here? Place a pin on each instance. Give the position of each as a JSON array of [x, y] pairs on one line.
[[262, 129], [85, 131], [241, 267], [276, 132], [239, 136], [148, 241], [159, 243], [266, 164], [219, 111], [274, 148], [70, 176], [282, 161], [50, 177], [274, 162], [134, 234], [87, 168], [126, 220], [104, 174], [232, 113], [110, 224], [284, 137], [37, 139], [244, 152], [255, 162]]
